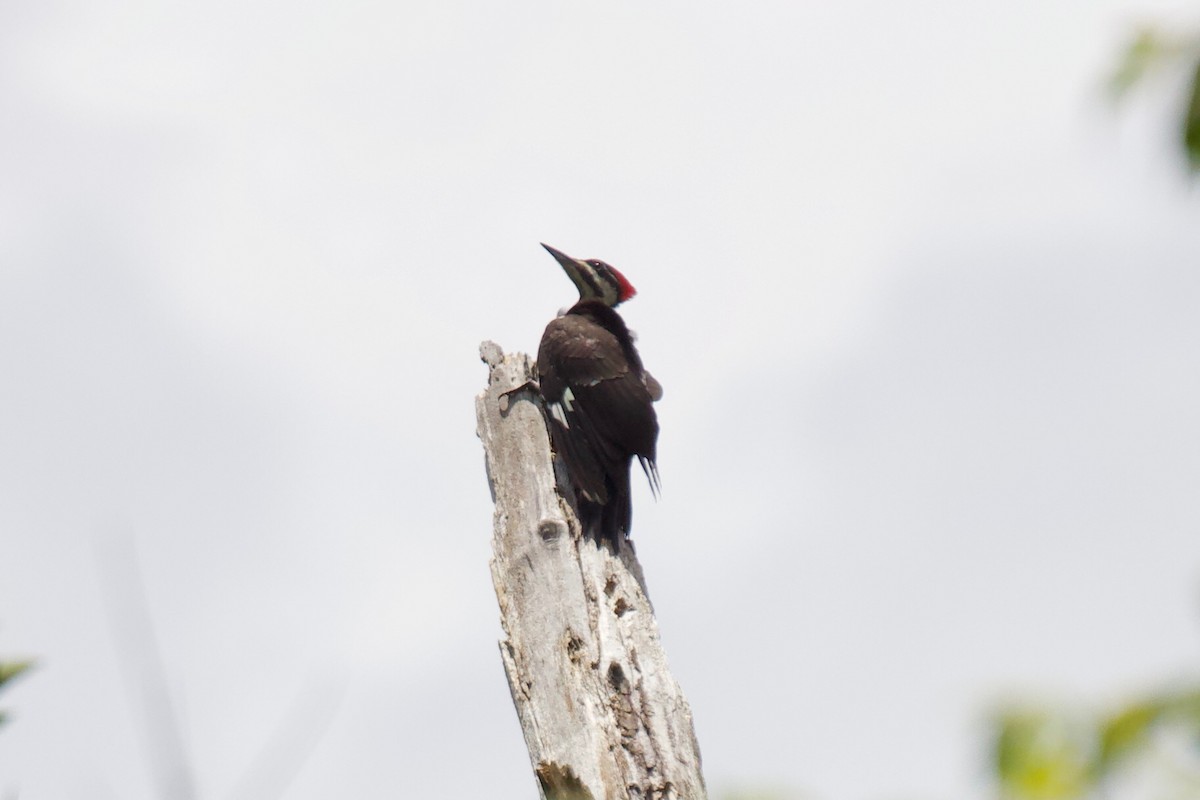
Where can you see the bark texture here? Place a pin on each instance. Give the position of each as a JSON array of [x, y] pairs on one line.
[[602, 716]]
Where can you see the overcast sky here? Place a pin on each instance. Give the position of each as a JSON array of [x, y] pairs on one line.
[[924, 307]]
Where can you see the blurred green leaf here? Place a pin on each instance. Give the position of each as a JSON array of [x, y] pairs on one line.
[[1045, 754], [1153, 49], [1040, 756], [1125, 732], [1129, 730], [11, 669], [1148, 49], [8, 671], [1191, 121], [1186, 705]]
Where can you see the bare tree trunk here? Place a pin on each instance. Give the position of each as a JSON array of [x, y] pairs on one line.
[[602, 716]]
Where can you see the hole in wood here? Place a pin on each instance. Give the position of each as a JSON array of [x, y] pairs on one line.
[[574, 647], [616, 676], [559, 782], [551, 530]]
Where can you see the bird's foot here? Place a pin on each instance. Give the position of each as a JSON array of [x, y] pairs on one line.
[[505, 398]]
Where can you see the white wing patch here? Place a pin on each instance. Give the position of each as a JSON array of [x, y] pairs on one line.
[[560, 416]]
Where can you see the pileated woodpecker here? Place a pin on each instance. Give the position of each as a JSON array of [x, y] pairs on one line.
[[600, 398]]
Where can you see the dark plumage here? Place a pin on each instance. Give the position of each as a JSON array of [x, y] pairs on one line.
[[599, 398]]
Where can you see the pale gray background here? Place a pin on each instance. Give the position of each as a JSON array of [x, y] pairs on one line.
[[924, 306]]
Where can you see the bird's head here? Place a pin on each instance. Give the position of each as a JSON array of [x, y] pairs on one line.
[[595, 279]]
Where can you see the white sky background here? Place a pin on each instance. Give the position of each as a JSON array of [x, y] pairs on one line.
[[924, 309]]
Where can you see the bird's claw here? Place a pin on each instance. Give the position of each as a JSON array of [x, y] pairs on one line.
[[506, 397]]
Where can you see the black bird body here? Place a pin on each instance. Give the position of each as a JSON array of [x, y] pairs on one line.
[[599, 399]]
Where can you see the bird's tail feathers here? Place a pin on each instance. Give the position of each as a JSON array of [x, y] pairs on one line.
[[651, 470]]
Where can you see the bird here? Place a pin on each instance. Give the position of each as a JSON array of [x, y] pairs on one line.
[[599, 398]]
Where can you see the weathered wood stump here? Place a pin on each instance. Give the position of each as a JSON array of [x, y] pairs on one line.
[[602, 716]]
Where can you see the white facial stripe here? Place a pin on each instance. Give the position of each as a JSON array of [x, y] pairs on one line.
[[592, 286], [584, 280], [568, 398]]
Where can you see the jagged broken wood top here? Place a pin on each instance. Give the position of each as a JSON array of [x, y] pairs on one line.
[[601, 713]]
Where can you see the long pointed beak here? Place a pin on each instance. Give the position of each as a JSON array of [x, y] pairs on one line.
[[573, 267], [567, 262]]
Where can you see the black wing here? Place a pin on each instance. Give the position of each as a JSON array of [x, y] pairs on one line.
[[600, 405]]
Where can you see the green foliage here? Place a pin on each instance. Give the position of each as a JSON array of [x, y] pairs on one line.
[[1152, 51], [8, 671], [1148, 52], [1046, 754], [1040, 755], [1191, 122]]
